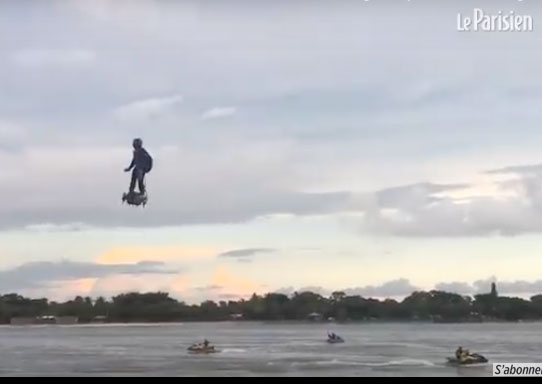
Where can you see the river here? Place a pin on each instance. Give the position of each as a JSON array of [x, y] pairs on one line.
[[262, 349]]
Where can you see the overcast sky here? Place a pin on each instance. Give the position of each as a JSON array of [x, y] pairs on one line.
[[360, 146]]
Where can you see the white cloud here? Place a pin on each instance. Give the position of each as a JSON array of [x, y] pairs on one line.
[[148, 108], [394, 288], [49, 227], [53, 57], [216, 113], [246, 253], [503, 207]]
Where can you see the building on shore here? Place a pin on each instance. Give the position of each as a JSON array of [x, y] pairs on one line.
[[45, 320]]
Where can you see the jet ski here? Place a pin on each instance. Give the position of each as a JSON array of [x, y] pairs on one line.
[[202, 349], [471, 359], [335, 339]]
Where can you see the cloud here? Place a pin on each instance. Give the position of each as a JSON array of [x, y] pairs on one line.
[[36, 274], [421, 194], [117, 284], [519, 287], [142, 110], [349, 124], [53, 57], [222, 284], [315, 289], [49, 227], [63, 290], [246, 253], [216, 113], [289, 291], [455, 287], [403, 287], [394, 288], [520, 169], [229, 296], [234, 284], [399, 287], [45, 189], [285, 291], [127, 255], [498, 207], [209, 288]]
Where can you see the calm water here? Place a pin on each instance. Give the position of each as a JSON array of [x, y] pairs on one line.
[[260, 349]]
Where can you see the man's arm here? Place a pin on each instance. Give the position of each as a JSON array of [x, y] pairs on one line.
[[132, 164]]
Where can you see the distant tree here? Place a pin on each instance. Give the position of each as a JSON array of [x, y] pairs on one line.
[[337, 297], [160, 307]]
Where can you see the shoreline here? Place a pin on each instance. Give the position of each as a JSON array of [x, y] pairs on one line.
[[271, 322]]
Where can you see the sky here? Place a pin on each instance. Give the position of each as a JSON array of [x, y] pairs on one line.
[[360, 146]]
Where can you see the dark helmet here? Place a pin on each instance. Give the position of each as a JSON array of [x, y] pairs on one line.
[[137, 143]]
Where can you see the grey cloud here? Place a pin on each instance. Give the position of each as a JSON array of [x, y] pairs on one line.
[[37, 274], [289, 291], [246, 253], [48, 227], [399, 287], [159, 214], [403, 287], [521, 169], [285, 291], [229, 296], [185, 187], [455, 287], [209, 288], [520, 287], [315, 289], [484, 286], [419, 210], [420, 194]]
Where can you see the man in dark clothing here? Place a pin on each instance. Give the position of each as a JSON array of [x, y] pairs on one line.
[[140, 166]]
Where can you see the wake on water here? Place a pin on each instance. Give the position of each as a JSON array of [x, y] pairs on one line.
[[405, 362], [338, 362], [234, 350]]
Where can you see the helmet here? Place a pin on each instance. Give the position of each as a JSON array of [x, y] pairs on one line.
[[138, 143]]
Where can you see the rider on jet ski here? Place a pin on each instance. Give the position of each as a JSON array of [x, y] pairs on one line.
[[462, 354]]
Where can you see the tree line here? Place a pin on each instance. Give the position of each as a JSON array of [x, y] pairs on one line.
[[435, 306]]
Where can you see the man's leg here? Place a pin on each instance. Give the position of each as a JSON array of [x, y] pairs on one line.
[[133, 181], [141, 182]]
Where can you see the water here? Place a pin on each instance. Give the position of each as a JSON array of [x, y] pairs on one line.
[[262, 349]]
